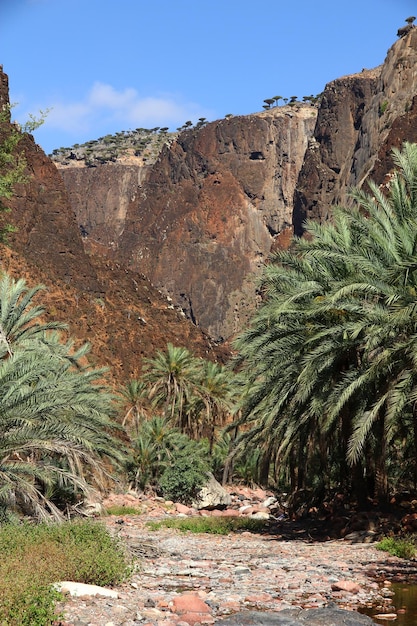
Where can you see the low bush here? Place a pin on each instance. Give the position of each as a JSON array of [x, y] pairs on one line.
[[211, 525], [184, 477], [403, 548], [36, 556]]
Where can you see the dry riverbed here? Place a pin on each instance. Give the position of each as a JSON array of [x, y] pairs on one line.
[[184, 578]]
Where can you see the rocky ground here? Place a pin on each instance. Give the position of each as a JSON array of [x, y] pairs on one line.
[[183, 578]]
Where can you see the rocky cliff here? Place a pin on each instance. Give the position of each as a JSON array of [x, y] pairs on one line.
[[101, 196], [117, 310], [360, 119], [202, 221]]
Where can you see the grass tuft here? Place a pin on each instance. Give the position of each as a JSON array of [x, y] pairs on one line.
[[123, 510], [211, 525], [403, 548]]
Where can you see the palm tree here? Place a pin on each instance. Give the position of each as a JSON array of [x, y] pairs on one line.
[[194, 394], [56, 413], [20, 317], [135, 399], [214, 399], [331, 355], [152, 450], [172, 380]]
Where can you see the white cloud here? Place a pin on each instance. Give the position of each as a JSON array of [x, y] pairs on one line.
[[69, 117], [104, 105]]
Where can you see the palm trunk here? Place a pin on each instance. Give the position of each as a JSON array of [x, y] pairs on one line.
[[381, 476], [345, 433], [415, 445]]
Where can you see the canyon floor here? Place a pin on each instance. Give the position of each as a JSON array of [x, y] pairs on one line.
[[183, 578]]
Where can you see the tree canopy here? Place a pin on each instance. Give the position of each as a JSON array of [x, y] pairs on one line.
[[56, 412], [330, 357]]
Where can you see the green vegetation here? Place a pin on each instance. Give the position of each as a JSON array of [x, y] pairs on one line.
[[141, 142], [329, 358], [56, 414], [403, 548], [12, 163], [35, 557], [145, 143], [174, 413], [168, 461], [12, 160], [212, 525], [123, 510], [383, 107], [320, 397], [184, 477], [270, 102], [194, 395]]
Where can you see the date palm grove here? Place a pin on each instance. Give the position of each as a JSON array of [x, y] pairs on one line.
[[330, 357]]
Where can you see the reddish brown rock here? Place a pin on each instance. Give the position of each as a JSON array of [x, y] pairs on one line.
[[230, 513], [123, 316], [192, 609], [183, 509], [409, 522], [346, 585], [361, 117], [204, 217]]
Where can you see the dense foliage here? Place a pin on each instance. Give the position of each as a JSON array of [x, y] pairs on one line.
[[174, 414], [158, 453], [56, 413], [322, 395], [330, 357]]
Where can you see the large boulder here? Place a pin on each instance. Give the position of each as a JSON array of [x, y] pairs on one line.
[[212, 496]]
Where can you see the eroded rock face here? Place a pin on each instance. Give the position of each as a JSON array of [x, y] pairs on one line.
[[201, 222], [100, 196], [360, 119], [123, 316], [205, 220]]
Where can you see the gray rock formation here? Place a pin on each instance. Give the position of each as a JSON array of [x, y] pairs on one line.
[[298, 617], [212, 496], [100, 196]]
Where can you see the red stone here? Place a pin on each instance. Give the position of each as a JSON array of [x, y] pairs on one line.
[[189, 603], [181, 508], [346, 585]]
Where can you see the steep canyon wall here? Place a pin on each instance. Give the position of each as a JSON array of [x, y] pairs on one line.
[[123, 316], [202, 220], [360, 119]]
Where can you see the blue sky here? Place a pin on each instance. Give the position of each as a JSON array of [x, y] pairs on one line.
[[102, 66]]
